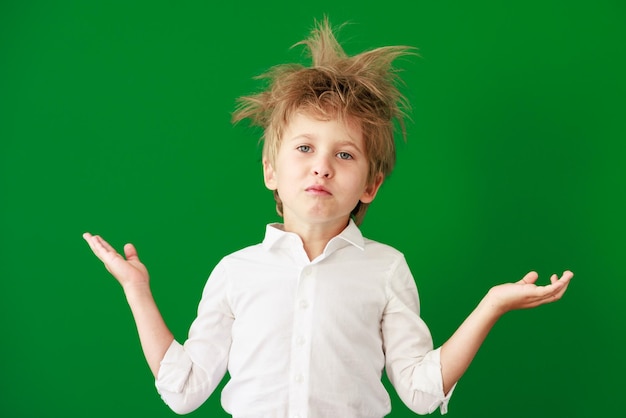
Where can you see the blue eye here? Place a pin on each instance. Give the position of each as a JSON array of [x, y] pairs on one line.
[[344, 156], [304, 148]]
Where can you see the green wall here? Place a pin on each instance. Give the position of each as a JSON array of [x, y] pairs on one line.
[[114, 119]]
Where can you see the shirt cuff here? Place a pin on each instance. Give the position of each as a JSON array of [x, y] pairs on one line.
[[431, 382], [174, 369]]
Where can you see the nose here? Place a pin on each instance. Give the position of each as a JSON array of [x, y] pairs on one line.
[[322, 167]]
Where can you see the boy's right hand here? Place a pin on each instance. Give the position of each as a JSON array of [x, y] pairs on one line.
[[129, 271]]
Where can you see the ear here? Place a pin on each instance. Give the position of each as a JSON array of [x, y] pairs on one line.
[[370, 191], [269, 176]]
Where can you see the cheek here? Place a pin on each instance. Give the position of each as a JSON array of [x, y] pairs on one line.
[[363, 176]]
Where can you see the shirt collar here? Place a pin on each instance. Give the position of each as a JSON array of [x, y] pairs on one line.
[[275, 237]]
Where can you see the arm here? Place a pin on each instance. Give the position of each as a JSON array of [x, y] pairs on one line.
[[133, 276], [458, 352]]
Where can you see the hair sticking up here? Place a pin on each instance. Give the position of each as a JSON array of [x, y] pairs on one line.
[[361, 89]]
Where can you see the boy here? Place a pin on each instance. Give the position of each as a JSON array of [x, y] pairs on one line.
[[306, 321]]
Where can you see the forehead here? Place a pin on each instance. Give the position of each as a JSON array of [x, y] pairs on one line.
[[315, 126]]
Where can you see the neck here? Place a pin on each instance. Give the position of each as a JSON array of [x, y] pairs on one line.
[[315, 237]]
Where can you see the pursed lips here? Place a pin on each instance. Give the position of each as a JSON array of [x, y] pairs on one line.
[[318, 190]]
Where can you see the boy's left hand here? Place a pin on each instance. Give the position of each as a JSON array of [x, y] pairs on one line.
[[526, 294]]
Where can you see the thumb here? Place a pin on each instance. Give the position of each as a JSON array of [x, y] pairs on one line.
[[130, 252], [529, 278]]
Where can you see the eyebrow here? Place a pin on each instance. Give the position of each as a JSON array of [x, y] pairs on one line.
[[301, 136], [349, 143], [313, 137]]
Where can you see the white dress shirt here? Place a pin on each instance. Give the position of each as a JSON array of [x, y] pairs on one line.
[[305, 338]]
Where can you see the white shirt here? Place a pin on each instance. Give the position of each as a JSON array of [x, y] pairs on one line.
[[307, 338]]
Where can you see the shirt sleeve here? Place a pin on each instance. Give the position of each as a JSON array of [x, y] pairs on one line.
[[190, 372], [413, 366]]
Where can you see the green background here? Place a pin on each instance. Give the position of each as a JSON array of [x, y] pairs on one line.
[[114, 119]]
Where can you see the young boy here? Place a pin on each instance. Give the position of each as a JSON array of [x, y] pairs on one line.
[[306, 321]]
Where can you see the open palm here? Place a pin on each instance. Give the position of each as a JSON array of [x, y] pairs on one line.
[[127, 271], [527, 294]]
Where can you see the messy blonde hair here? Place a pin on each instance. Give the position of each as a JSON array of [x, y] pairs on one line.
[[361, 89]]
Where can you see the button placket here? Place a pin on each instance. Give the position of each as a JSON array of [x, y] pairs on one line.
[[300, 348]]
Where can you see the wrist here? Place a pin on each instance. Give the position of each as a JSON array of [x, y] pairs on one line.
[[135, 291], [492, 305]]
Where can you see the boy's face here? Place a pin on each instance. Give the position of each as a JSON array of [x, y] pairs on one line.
[[320, 172]]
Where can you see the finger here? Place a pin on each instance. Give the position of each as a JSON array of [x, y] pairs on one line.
[[557, 283], [554, 291], [558, 295], [567, 275], [101, 249], [560, 284], [564, 281], [99, 246], [88, 238], [105, 245], [93, 242]]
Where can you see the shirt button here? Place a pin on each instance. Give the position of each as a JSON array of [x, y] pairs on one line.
[[299, 378], [303, 304], [300, 340]]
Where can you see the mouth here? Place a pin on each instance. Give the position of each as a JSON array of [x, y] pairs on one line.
[[318, 190]]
